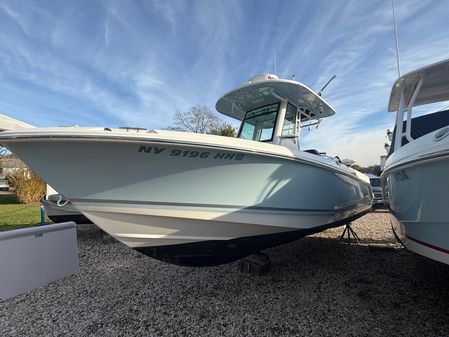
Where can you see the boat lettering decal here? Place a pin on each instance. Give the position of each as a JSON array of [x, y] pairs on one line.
[[151, 149], [401, 176], [224, 155], [192, 154]]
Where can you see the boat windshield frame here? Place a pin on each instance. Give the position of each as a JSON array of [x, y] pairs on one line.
[[248, 116]]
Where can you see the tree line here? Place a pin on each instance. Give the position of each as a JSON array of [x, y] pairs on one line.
[[373, 169]]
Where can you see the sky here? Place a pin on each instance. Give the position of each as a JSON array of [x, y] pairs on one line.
[[136, 63]]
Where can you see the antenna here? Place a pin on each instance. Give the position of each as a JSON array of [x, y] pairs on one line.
[[332, 78], [397, 40], [275, 65]]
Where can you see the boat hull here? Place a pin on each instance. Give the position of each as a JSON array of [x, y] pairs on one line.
[[215, 252], [63, 213], [196, 204], [419, 209]]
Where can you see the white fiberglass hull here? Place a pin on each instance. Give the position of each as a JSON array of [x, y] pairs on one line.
[[64, 212], [196, 203], [417, 176]]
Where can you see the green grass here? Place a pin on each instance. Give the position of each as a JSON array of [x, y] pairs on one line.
[[14, 215]]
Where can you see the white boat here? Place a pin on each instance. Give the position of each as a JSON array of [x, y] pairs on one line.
[[59, 209], [197, 199], [417, 168], [8, 123], [378, 196]]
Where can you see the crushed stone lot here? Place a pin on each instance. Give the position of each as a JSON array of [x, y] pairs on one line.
[[317, 286]]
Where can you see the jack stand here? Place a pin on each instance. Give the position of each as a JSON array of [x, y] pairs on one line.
[[256, 264], [349, 231]]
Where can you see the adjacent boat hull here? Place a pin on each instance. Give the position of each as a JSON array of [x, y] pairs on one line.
[[419, 208], [63, 213], [196, 204]]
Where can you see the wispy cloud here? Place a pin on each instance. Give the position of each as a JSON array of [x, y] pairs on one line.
[[136, 63]]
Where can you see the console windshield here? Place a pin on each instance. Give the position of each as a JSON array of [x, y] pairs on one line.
[[259, 123]]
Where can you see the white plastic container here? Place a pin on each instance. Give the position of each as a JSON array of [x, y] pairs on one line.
[[33, 257]]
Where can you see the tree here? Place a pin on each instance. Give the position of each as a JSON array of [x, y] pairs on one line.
[[30, 188], [198, 119], [373, 169], [226, 130], [357, 167]]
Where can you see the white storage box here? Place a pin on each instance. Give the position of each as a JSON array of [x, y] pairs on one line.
[[33, 257]]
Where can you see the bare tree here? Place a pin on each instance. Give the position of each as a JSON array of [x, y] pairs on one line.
[[198, 119]]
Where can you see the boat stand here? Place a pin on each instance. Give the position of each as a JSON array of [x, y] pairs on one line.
[[350, 232], [255, 264]]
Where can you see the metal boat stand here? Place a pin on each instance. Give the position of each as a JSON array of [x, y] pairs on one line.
[[256, 264], [350, 232]]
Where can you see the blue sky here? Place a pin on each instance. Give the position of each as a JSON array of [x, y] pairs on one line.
[[135, 63]]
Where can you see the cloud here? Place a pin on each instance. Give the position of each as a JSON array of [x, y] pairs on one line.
[[137, 63], [364, 61], [365, 146]]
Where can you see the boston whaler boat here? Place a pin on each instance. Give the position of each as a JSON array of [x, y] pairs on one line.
[[197, 199], [417, 168]]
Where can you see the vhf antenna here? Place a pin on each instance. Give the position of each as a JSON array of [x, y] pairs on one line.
[[332, 78], [275, 63], [397, 40]]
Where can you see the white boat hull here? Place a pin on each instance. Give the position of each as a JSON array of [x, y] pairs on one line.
[[197, 204], [64, 213], [417, 168], [419, 209], [192, 237]]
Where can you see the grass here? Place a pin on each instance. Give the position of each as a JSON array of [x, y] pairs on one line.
[[14, 215]]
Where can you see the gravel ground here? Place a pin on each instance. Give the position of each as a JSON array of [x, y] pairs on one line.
[[317, 286]]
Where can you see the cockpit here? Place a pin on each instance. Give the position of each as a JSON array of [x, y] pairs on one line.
[[259, 124]]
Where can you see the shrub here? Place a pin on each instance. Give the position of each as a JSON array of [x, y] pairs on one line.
[[29, 186]]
